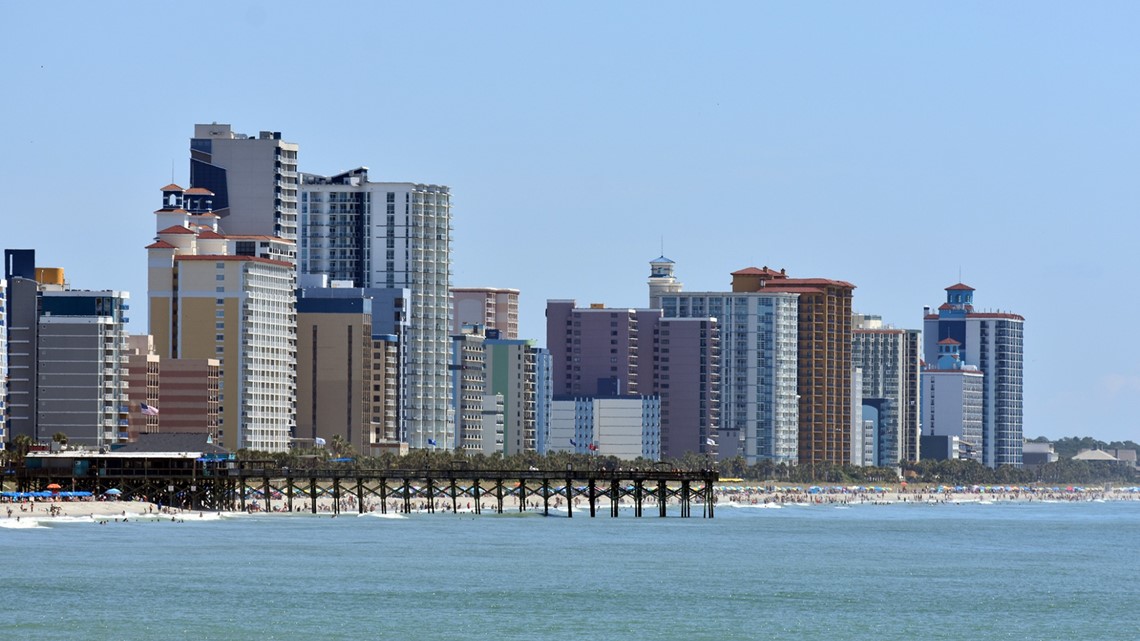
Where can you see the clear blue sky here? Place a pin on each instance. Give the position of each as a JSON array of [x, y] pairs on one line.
[[888, 144]]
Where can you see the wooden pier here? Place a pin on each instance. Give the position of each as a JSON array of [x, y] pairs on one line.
[[242, 486]]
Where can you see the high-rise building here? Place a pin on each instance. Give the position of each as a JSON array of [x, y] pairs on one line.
[[142, 385], [491, 307], [627, 427], [824, 356], [889, 361], [952, 404], [389, 340], [22, 319], [513, 369], [82, 351], [186, 390], [67, 352], [596, 350], [334, 370], [253, 180], [391, 235], [601, 352], [3, 363], [478, 412], [686, 375], [189, 392], [992, 341], [759, 405], [231, 299]]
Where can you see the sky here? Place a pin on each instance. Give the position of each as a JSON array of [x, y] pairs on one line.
[[899, 146]]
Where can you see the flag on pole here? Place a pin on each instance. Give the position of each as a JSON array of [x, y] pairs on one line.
[[319, 441], [431, 442], [710, 441], [149, 410], [572, 443], [593, 447]]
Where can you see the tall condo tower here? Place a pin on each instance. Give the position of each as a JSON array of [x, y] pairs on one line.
[[993, 342], [889, 360], [253, 179], [230, 298], [392, 235], [759, 405]]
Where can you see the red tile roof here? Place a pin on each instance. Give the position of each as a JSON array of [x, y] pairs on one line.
[[172, 187], [198, 191], [176, 229], [210, 234], [959, 286], [168, 210], [162, 244], [948, 341], [755, 271]]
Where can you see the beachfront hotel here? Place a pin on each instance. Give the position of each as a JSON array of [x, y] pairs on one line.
[[600, 352], [389, 325], [823, 357], [186, 389], [492, 307], [391, 235], [252, 179], [334, 371], [952, 406], [627, 427], [230, 298], [3, 363], [889, 361], [758, 350], [67, 356], [478, 413], [993, 342]]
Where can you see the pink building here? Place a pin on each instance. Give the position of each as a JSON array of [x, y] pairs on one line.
[[491, 307]]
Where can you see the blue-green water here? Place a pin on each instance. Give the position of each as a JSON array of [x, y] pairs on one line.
[[1025, 571]]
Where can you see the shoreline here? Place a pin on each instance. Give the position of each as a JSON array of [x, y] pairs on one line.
[[728, 496]]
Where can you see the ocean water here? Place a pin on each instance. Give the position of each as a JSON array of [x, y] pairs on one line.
[[867, 572]]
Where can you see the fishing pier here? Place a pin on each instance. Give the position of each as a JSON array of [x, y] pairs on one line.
[[203, 483]]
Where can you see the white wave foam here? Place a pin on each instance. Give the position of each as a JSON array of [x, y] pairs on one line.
[[22, 524], [381, 515]]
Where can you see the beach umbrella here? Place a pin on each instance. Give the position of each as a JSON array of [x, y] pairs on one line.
[[53, 486], [113, 492]]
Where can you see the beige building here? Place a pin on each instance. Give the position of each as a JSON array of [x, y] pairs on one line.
[[231, 299], [490, 307], [142, 385], [334, 371]]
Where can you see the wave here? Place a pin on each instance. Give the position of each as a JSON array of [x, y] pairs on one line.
[[381, 515], [22, 524]]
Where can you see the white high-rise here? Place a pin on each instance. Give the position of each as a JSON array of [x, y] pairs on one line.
[[388, 235], [759, 405]]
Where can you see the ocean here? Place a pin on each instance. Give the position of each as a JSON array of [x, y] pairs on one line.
[[1027, 571]]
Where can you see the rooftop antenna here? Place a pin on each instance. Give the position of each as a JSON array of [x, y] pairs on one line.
[[662, 245], [172, 171]]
